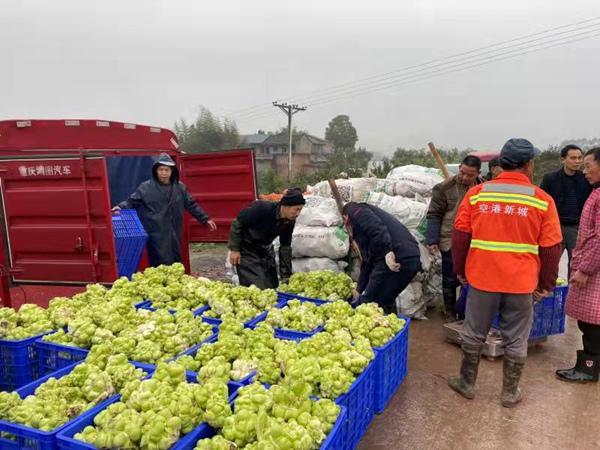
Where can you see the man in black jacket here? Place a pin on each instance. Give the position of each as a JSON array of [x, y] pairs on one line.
[[160, 203], [390, 253], [251, 240], [569, 189]]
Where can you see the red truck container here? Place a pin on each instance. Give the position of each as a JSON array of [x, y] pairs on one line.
[[59, 179]]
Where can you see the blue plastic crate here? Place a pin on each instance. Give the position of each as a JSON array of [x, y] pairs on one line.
[[130, 241], [548, 314], [285, 296], [359, 404], [197, 312], [333, 441], [66, 440], [142, 304], [28, 438], [52, 357], [251, 323], [391, 365], [248, 379], [18, 363], [284, 333]]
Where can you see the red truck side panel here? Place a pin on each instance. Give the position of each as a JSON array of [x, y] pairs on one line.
[[223, 183], [57, 221]]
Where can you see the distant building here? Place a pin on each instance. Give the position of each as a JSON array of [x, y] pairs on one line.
[[253, 141], [309, 153]]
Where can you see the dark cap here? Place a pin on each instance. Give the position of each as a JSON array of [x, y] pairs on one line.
[[292, 197], [518, 151]]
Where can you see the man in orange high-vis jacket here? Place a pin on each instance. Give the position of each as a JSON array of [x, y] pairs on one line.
[[506, 244]]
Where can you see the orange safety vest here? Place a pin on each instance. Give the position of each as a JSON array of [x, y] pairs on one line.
[[509, 219]]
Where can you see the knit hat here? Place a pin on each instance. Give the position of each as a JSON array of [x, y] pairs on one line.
[[292, 197]]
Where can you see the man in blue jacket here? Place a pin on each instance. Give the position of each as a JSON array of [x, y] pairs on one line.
[[569, 189], [390, 253], [160, 203]]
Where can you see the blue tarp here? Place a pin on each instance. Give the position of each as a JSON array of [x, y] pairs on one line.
[[125, 173]]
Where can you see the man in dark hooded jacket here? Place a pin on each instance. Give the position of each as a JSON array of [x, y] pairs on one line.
[[160, 203], [390, 254], [252, 235]]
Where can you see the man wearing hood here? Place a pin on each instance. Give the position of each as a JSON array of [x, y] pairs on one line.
[[160, 203], [252, 235]]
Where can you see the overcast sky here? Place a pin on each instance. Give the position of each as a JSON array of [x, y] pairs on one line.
[[154, 61]]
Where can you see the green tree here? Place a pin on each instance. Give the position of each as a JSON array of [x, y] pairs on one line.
[[269, 182], [422, 157], [207, 133], [352, 162], [381, 170], [345, 158], [302, 180], [548, 161], [341, 133]]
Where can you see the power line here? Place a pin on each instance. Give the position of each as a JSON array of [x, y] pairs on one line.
[[477, 53], [472, 62], [515, 48], [256, 108], [477, 62]]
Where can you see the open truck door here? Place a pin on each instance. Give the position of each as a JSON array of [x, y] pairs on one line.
[[223, 183], [57, 225]]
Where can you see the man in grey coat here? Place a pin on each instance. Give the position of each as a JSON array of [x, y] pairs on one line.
[[446, 198], [160, 203]]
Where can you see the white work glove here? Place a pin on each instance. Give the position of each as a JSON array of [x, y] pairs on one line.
[[390, 260]]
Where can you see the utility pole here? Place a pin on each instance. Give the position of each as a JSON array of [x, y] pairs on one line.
[[289, 111]]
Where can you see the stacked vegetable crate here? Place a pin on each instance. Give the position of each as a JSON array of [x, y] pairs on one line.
[[369, 394], [130, 241], [18, 363], [16, 436], [375, 387], [548, 313]]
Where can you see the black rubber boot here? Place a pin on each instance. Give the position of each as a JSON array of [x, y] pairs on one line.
[[586, 370], [449, 302], [465, 383], [512, 371]]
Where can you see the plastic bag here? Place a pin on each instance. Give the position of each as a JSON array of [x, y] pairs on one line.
[[407, 181], [411, 302], [310, 264], [325, 242], [409, 212], [319, 212]]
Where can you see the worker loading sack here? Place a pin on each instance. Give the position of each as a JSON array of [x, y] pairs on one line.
[[252, 235]]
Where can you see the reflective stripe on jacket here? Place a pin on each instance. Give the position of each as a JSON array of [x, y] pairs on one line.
[[509, 219]]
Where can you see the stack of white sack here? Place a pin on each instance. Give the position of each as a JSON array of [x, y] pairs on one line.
[[405, 194], [319, 242], [351, 189], [410, 181], [409, 213]]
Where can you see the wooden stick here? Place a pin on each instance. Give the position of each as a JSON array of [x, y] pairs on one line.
[[439, 160], [340, 204]]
